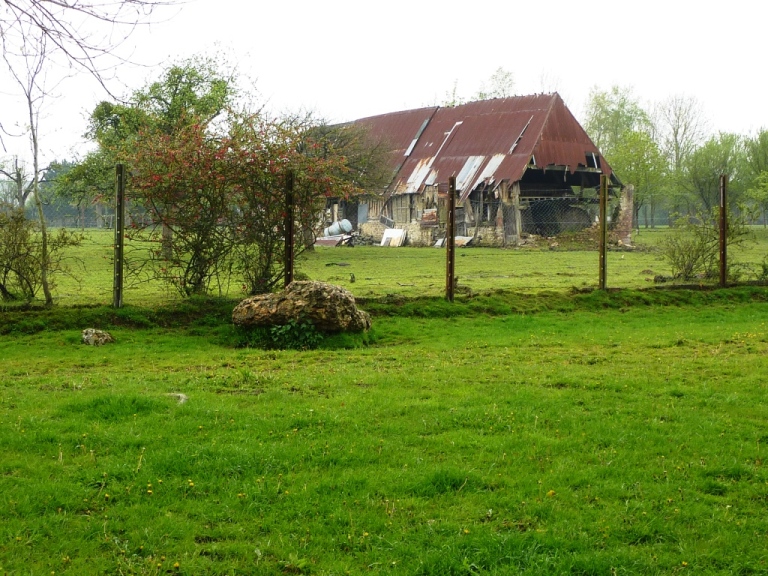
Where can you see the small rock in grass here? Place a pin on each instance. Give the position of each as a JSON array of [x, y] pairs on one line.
[[179, 396], [94, 337]]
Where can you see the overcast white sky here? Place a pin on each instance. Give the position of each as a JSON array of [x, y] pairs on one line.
[[348, 59]]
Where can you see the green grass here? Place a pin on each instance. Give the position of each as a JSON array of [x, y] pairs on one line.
[[534, 426], [591, 434], [417, 272]]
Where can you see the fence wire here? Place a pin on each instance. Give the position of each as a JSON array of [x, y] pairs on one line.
[[560, 262]]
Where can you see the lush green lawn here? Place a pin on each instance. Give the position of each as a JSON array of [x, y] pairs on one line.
[[600, 440]]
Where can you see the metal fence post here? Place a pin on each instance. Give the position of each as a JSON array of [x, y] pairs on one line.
[[603, 230], [450, 241], [117, 286], [723, 230]]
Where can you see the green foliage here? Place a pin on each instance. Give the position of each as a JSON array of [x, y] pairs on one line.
[[90, 180], [181, 181], [208, 184], [721, 154], [692, 251], [611, 115], [757, 194], [763, 272], [295, 335], [693, 248], [638, 161], [756, 151], [207, 195], [197, 89], [298, 334], [21, 255], [249, 337]]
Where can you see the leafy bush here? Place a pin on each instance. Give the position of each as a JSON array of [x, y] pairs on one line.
[[296, 335], [21, 255], [693, 248], [762, 274]]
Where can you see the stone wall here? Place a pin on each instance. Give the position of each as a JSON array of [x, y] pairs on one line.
[[487, 236], [372, 229], [419, 236]]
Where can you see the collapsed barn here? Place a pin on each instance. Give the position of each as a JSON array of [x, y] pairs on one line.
[[523, 165]]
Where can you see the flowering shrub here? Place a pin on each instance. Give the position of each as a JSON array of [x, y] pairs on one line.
[[216, 203]]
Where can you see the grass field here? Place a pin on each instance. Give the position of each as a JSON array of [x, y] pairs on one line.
[[413, 272], [546, 432]]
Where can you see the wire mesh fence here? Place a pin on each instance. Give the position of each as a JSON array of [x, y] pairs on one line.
[[375, 272], [557, 250]]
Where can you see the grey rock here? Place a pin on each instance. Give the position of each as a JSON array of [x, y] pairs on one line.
[[94, 337], [330, 308]]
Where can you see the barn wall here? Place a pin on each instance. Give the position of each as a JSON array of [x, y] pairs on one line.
[[372, 229]]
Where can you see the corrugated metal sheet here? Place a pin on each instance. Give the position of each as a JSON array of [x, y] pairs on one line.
[[468, 171], [487, 141], [419, 174], [489, 171]]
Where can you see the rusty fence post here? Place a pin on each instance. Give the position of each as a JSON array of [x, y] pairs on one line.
[[117, 284], [289, 229], [603, 231], [723, 230], [450, 241]]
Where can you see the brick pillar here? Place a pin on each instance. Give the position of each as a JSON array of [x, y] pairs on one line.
[[623, 227]]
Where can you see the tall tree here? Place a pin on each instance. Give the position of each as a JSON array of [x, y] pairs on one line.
[[638, 160], [757, 194], [34, 33], [681, 127], [721, 154], [26, 65], [756, 171], [198, 89], [501, 84], [366, 163], [756, 148], [612, 114]]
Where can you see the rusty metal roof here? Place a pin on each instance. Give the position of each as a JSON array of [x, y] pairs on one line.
[[488, 141]]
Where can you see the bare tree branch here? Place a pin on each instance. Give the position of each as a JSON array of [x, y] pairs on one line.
[[86, 32]]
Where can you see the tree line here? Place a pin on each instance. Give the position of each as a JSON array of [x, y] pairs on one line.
[[667, 151]]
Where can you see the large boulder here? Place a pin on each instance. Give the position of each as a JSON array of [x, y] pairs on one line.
[[330, 308]]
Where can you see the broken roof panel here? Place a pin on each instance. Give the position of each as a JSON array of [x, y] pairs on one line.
[[468, 171], [487, 141]]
